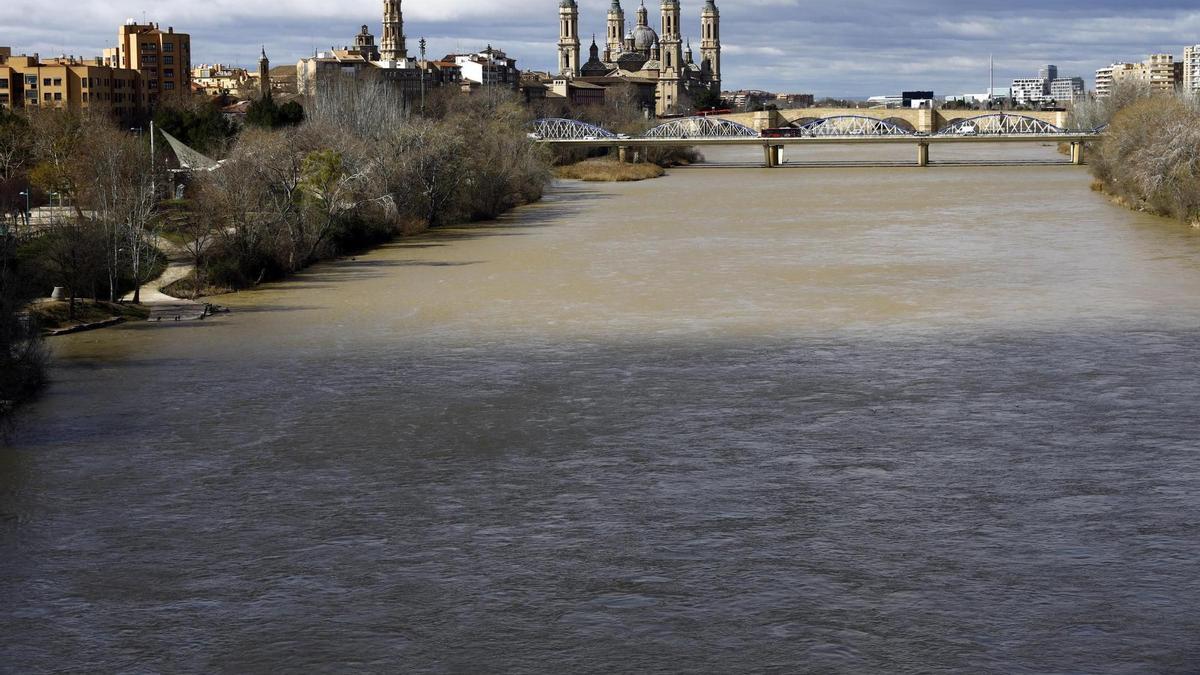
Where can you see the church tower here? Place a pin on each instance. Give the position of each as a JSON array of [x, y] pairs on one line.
[[264, 75], [670, 57], [391, 43], [616, 28], [568, 38], [710, 41]]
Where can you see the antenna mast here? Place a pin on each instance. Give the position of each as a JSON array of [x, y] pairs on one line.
[[991, 78]]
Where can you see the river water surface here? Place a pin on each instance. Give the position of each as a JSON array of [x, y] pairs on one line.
[[809, 420]]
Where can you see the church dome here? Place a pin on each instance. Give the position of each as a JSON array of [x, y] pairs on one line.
[[644, 37], [631, 61]]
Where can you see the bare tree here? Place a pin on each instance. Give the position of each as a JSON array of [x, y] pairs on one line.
[[58, 142], [365, 106]]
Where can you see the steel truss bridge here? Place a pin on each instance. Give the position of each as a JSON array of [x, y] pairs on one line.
[[842, 129]]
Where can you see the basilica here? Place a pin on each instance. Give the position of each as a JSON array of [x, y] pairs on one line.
[[644, 55]]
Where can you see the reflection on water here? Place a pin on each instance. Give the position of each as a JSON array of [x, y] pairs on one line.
[[843, 419]]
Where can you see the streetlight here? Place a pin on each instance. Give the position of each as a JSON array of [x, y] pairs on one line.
[[25, 194], [138, 131], [423, 62]]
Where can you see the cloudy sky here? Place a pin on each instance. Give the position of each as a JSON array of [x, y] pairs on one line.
[[840, 48]]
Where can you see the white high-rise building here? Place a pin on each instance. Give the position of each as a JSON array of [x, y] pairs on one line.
[[1030, 90], [1191, 69]]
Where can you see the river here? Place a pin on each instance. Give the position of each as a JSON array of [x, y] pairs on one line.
[[824, 420]]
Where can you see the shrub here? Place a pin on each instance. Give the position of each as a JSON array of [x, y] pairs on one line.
[[1150, 156]]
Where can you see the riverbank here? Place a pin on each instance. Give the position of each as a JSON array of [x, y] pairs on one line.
[[604, 170], [54, 316], [1149, 158]]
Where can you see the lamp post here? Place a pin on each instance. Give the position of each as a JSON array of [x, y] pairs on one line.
[[423, 62], [25, 194], [138, 131]]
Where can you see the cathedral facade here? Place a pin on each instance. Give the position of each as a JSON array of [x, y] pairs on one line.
[[643, 54]]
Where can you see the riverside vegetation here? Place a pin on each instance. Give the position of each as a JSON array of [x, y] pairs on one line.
[[360, 169], [1149, 157]]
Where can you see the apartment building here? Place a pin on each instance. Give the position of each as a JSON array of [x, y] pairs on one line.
[[1109, 74], [490, 67], [219, 79], [1029, 90], [68, 83], [1064, 89], [1191, 69], [1047, 87], [1158, 71], [164, 59]]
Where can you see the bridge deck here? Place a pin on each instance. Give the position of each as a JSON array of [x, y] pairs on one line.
[[825, 140]]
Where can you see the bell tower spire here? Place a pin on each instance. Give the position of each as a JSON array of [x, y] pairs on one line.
[[710, 42], [670, 58], [568, 38], [616, 27], [264, 74], [391, 44]]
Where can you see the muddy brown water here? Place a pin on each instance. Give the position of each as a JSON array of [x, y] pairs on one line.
[[809, 420]]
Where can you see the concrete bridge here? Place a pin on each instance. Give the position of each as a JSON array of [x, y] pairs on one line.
[[918, 120]]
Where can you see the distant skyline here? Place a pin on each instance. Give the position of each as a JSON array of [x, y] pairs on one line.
[[850, 48]]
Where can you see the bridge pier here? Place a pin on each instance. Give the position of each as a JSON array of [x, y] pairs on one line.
[[623, 154], [772, 155], [1077, 153], [922, 154]]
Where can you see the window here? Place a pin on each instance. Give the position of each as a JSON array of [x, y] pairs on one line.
[[46, 96], [58, 96], [31, 81], [3, 99], [85, 97], [46, 82], [168, 85], [168, 72], [168, 60], [3, 83], [169, 47], [58, 81]]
